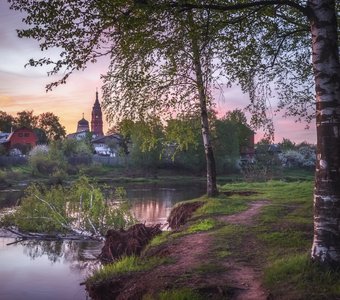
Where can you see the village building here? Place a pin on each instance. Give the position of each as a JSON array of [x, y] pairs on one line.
[[83, 128], [247, 149], [108, 145], [23, 139], [97, 118]]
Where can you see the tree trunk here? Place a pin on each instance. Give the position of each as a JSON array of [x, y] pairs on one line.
[[326, 243], [208, 149]]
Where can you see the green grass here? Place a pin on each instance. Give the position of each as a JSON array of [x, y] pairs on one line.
[[202, 225], [281, 240], [178, 294], [125, 265], [206, 268], [297, 275], [285, 239], [222, 205], [277, 191], [159, 239]]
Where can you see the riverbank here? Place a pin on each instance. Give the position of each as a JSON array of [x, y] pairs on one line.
[[251, 242]]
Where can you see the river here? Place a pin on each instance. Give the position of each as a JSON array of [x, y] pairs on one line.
[[42, 270]]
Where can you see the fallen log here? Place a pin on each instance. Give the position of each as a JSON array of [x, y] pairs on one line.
[[48, 236]]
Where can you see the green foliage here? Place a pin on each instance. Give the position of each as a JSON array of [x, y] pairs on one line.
[[285, 239], [46, 126], [80, 208], [307, 279], [3, 150], [26, 119], [6, 122], [221, 205], [143, 141], [186, 149], [159, 239], [73, 147], [287, 144], [266, 166], [184, 146], [184, 132], [179, 294], [124, 265], [47, 160], [50, 124], [202, 225]]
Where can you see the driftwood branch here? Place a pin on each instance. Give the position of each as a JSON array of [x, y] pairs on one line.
[[47, 236]]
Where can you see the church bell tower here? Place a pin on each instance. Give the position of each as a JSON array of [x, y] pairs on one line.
[[97, 118]]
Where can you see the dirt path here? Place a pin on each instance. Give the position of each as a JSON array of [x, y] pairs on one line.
[[243, 277], [246, 217], [190, 255]]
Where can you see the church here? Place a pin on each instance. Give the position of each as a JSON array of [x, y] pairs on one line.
[[83, 128]]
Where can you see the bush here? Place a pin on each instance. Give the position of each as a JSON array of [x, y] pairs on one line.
[[79, 208], [46, 160], [303, 157]]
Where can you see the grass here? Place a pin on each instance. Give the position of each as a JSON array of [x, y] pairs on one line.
[[279, 242], [178, 294], [202, 225], [285, 239], [125, 265], [309, 280], [284, 233], [221, 205], [159, 239]]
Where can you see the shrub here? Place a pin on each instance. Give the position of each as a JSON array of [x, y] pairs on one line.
[[46, 160], [80, 208]]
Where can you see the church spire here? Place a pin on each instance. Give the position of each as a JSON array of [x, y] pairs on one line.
[[97, 100], [97, 117]]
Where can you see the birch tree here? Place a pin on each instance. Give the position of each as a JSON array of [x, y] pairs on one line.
[[322, 17], [161, 60], [87, 30]]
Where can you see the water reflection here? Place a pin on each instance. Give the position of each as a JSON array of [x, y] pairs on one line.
[[153, 205], [54, 269], [46, 269]]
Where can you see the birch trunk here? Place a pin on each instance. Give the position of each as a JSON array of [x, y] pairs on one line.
[[208, 149], [326, 243]]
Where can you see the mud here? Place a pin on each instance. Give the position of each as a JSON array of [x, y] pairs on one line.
[[181, 213], [127, 242], [236, 278]]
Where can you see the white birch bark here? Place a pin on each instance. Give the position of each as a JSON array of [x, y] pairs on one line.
[[326, 243]]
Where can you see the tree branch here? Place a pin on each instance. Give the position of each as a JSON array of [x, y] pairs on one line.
[[239, 6]]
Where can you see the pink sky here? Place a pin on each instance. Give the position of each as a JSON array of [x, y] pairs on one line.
[[24, 88]]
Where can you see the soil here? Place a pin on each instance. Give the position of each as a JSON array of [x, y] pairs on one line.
[[244, 277], [193, 265], [246, 217], [122, 242]]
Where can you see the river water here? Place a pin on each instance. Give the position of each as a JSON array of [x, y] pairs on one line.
[[42, 270]]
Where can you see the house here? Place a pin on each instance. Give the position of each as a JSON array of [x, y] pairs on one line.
[[79, 135], [3, 137], [247, 148], [23, 139], [108, 145]]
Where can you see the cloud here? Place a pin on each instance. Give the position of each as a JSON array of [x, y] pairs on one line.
[[5, 101], [24, 88]]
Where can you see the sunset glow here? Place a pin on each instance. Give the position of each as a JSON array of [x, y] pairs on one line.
[[24, 88]]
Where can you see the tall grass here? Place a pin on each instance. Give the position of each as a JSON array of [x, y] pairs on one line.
[[125, 265], [310, 280]]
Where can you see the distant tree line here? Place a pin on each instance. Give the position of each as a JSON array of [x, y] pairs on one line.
[[179, 144], [46, 126]]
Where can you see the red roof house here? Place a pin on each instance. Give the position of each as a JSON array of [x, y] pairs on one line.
[[23, 139]]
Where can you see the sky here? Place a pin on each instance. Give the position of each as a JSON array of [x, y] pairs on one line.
[[24, 88]]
